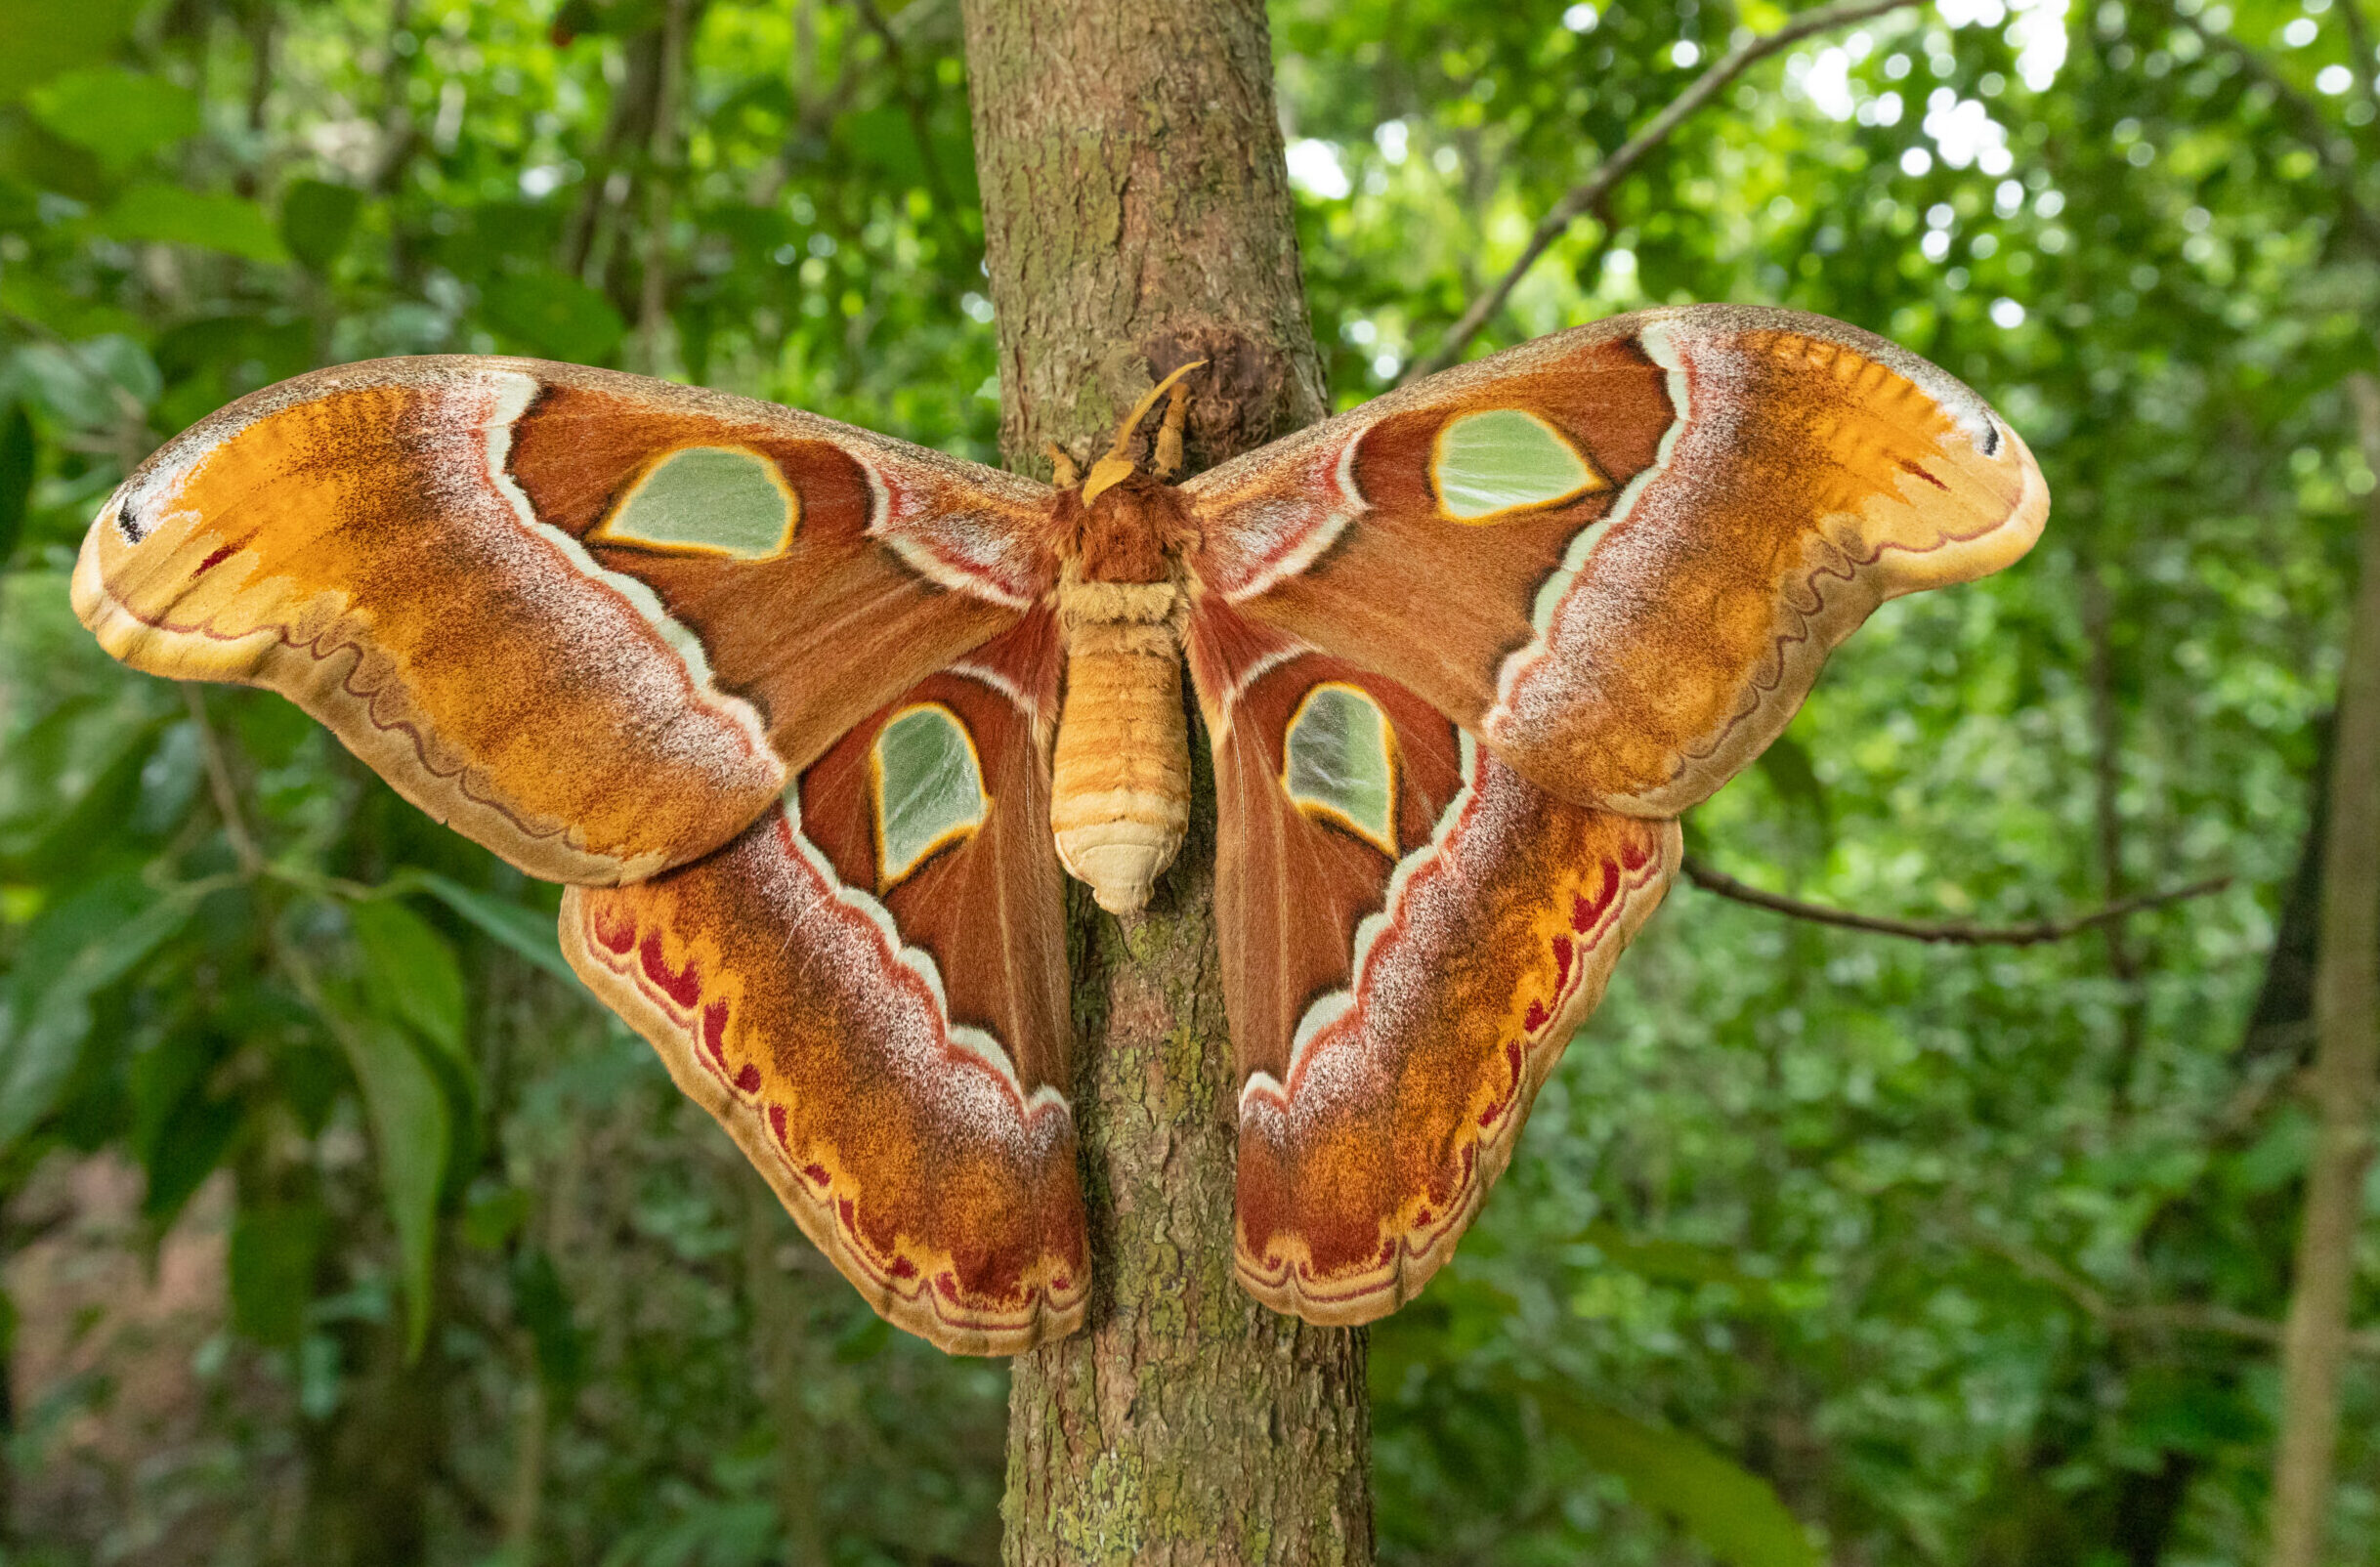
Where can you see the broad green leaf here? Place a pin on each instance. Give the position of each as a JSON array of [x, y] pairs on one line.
[[409, 972], [492, 1217], [273, 1246], [180, 1130], [525, 931], [540, 1305], [578, 18], [1732, 1512], [168, 214], [33, 160], [1671, 1261], [554, 313], [317, 218], [74, 950], [44, 37], [118, 115], [188, 1149], [410, 1132], [95, 384], [15, 474], [1787, 766]]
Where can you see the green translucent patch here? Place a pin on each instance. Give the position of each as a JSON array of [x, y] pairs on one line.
[[929, 790], [1502, 460], [1341, 762], [709, 499]]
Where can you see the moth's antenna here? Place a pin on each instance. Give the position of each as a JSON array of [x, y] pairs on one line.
[[1118, 463], [1064, 475]]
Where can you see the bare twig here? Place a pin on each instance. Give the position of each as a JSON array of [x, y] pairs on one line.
[[1590, 192], [2331, 149], [1956, 932], [946, 205], [399, 136], [653, 326], [2158, 1317], [224, 790], [819, 106], [2359, 52]]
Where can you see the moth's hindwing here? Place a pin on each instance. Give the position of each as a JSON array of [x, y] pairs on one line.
[[867, 988], [1411, 933]]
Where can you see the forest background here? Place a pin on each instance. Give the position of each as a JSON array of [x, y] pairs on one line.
[[336, 1212]]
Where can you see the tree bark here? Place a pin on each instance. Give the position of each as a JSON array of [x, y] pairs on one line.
[[1137, 217], [2344, 1081]]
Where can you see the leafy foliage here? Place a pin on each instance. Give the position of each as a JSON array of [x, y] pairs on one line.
[[1818, 1244]]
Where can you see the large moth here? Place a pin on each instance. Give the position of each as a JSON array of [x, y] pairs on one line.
[[812, 723]]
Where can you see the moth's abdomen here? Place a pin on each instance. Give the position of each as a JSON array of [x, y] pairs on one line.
[[1122, 771]]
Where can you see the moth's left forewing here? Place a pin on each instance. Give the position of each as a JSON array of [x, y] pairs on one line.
[[1619, 554], [1813, 472]]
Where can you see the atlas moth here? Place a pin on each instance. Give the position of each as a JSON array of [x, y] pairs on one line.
[[812, 723]]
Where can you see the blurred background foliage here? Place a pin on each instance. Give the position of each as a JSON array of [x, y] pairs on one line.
[[342, 1227]]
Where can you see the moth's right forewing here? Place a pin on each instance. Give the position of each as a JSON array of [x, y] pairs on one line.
[[591, 620]]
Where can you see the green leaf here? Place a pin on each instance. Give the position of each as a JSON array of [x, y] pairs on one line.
[[554, 313], [1668, 1261], [409, 972], [492, 1217], [46, 37], [74, 949], [15, 474], [273, 1247], [540, 1305], [1732, 1512], [578, 18], [316, 218], [31, 156], [119, 115], [410, 1131], [167, 214], [1787, 766], [527, 932], [80, 383], [180, 1130]]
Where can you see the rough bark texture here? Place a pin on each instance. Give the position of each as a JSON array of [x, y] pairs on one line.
[[2344, 1081], [1137, 217]]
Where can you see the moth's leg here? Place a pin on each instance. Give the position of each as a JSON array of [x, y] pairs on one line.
[[1169, 434], [1067, 475]]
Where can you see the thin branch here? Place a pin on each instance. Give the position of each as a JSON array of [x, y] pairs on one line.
[[2331, 149], [2359, 53], [653, 324], [946, 205], [225, 790], [819, 108], [1957, 932], [2165, 1317], [1589, 194]]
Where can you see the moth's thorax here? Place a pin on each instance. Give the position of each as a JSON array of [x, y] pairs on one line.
[[1120, 796], [1132, 531]]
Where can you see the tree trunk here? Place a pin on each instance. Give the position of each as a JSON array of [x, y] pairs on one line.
[[1137, 217], [2344, 1081]]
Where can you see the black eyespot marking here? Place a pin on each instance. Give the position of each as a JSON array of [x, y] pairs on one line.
[[129, 523], [1991, 437]]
